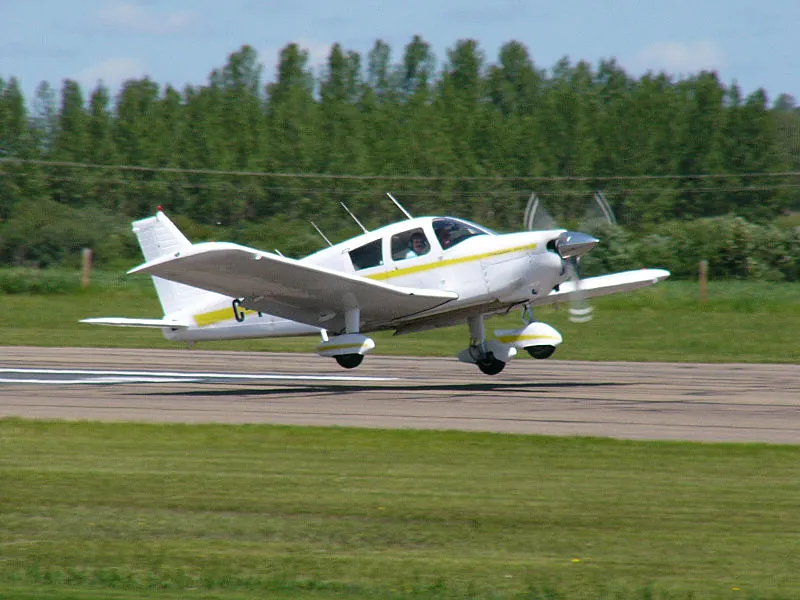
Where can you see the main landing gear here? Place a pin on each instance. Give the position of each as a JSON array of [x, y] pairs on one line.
[[349, 361], [348, 348]]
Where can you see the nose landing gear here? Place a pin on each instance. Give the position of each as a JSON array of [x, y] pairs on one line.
[[538, 339], [491, 356], [541, 352]]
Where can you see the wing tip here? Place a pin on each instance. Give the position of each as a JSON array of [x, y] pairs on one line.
[[658, 274]]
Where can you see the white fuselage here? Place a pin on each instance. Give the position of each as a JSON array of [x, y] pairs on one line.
[[488, 271]]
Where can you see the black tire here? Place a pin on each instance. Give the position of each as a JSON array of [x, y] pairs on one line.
[[490, 365], [541, 352], [349, 361]]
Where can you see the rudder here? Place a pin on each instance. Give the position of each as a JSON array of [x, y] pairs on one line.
[[158, 236]]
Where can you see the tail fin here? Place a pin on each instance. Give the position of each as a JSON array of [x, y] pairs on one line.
[[158, 236]]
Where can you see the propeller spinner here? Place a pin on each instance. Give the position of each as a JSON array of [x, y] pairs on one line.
[[573, 244]]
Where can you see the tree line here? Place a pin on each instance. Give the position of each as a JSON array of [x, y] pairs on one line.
[[254, 160]]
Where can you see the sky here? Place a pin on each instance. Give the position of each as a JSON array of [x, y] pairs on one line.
[[753, 43]]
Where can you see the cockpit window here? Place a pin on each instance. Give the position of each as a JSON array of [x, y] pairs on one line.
[[410, 244], [450, 232], [367, 256]]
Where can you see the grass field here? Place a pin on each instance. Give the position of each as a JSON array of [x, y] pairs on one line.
[[741, 322], [91, 510], [121, 511]]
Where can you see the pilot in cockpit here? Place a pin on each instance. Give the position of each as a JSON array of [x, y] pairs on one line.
[[418, 245], [444, 237]]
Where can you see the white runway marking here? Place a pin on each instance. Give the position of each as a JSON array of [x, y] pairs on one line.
[[98, 380], [91, 376]]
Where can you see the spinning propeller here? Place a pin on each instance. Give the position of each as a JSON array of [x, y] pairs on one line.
[[571, 245]]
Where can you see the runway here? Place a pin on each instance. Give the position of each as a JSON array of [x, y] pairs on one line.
[[659, 401]]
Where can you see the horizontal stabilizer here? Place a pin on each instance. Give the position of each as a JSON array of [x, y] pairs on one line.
[[123, 322]]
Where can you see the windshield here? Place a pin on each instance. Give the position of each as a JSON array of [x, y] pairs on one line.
[[450, 232]]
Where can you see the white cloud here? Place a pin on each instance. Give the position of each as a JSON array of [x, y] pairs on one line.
[[680, 58], [127, 16], [111, 72]]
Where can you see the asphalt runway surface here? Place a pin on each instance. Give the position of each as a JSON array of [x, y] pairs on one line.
[[664, 401]]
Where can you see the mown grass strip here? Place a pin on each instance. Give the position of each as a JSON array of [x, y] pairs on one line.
[[262, 510], [742, 322]]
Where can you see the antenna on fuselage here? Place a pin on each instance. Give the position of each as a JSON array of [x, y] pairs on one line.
[[400, 206], [319, 231], [364, 229]]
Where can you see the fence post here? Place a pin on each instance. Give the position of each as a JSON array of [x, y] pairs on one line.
[[86, 263], [703, 280]]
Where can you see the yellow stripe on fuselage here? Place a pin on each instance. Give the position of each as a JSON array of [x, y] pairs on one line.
[[449, 262], [219, 315], [506, 339]]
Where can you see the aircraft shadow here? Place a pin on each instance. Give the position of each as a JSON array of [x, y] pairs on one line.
[[337, 389]]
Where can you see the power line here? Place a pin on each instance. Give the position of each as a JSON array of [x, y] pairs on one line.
[[228, 187], [343, 177]]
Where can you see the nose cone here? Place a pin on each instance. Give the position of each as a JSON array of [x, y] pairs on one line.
[[572, 244]]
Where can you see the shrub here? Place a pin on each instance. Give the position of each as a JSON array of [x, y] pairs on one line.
[[46, 233], [733, 247], [38, 281]]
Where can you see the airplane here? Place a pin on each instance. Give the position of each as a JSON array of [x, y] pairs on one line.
[[417, 274]]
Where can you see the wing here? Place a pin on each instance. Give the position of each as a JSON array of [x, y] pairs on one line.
[[614, 283], [590, 287], [292, 289]]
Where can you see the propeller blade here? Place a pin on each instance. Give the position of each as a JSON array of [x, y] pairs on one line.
[[536, 217], [580, 311], [581, 314], [598, 214]]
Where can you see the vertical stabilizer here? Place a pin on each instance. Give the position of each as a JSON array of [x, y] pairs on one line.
[[158, 236]]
